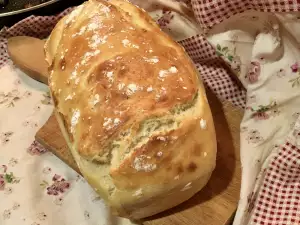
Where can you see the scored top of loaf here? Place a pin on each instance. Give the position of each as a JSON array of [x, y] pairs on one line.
[[115, 71]]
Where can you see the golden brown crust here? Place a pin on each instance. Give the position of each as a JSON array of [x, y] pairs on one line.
[[131, 107], [166, 158], [134, 72]]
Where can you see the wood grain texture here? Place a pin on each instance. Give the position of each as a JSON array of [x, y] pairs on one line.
[[28, 54], [217, 202]]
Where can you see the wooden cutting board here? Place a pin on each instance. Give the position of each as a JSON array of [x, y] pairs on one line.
[[217, 202]]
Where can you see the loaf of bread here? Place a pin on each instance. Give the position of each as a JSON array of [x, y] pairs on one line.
[[131, 108]]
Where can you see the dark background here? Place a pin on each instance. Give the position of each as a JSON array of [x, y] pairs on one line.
[[51, 9]]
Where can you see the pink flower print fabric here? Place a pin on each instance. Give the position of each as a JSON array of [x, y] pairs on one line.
[[59, 186], [254, 72], [36, 149]]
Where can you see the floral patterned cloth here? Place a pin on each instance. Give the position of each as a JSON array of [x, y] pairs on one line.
[[249, 40], [264, 52]]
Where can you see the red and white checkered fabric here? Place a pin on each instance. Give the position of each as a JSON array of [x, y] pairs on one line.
[[278, 202], [211, 12], [213, 70]]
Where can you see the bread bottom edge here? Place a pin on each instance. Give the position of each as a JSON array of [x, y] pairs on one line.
[[157, 204]]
